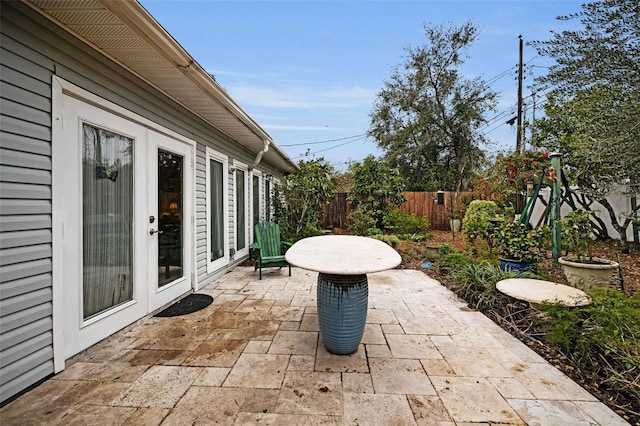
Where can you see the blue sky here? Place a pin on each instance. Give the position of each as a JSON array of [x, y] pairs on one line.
[[308, 71]]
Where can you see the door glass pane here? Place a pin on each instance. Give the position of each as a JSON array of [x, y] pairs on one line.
[[240, 210], [107, 220], [170, 206], [217, 212], [256, 200]]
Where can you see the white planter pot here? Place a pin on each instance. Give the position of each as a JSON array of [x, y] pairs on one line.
[[455, 225], [586, 275]]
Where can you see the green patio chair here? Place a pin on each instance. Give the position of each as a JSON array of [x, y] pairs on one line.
[[268, 247]]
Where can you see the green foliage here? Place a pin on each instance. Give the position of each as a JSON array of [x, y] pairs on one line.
[[391, 240], [361, 222], [597, 144], [461, 204], [593, 106], [476, 282], [445, 249], [510, 174], [376, 189], [477, 219], [400, 222], [298, 203], [605, 48], [416, 238], [577, 233], [607, 328], [449, 258], [516, 241], [428, 116]]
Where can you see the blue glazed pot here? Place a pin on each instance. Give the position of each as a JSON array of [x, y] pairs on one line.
[[342, 311], [517, 265]]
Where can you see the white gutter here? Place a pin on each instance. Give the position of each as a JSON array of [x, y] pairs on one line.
[[266, 142]]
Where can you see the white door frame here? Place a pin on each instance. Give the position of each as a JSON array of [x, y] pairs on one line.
[[70, 104]]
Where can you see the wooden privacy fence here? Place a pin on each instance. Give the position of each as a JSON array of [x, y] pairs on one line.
[[424, 204]]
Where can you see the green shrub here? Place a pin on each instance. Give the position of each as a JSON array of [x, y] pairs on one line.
[[391, 240], [477, 219], [400, 222], [362, 222], [451, 259], [298, 203], [445, 249], [416, 238], [515, 241], [606, 330], [612, 320]]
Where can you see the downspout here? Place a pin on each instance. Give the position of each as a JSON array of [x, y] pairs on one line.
[[266, 142]]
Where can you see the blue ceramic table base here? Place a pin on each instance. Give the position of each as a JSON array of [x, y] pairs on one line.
[[342, 311]]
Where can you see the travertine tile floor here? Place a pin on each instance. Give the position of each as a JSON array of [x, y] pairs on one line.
[[255, 357]]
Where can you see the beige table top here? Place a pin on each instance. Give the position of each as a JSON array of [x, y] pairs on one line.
[[342, 255], [537, 291]]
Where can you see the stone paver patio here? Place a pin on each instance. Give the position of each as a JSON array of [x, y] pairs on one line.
[[255, 356]]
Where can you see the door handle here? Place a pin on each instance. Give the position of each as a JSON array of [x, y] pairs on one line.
[[154, 231]]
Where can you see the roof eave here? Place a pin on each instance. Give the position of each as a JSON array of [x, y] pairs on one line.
[[144, 26]]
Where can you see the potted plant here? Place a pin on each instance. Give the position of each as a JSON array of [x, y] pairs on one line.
[[520, 248], [581, 268]]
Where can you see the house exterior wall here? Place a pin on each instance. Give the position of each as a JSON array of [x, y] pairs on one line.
[[33, 50]]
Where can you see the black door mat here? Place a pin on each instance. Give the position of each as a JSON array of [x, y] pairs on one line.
[[187, 305]]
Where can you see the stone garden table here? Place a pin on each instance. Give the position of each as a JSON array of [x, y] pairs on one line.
[[538, 291], [342, 263]]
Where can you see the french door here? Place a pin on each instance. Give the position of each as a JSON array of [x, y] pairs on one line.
[[126, 212], [170, 211]]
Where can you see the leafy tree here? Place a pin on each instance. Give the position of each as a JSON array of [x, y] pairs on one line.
[[605, 51], [376, 188], [299, 201], [427, 116], [510, 174], [593, 108]]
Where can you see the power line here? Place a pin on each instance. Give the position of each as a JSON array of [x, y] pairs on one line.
[[331, 147], [320, 142]]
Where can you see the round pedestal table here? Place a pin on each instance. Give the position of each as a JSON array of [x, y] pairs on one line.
[[342, 263]]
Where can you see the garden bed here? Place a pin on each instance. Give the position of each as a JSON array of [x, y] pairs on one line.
[[525, 323], [630, 263]]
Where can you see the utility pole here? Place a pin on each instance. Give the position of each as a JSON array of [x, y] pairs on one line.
[[519, 130]]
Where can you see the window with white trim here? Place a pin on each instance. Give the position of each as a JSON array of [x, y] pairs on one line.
[[241, 210], [256, 200], [217, 184]]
